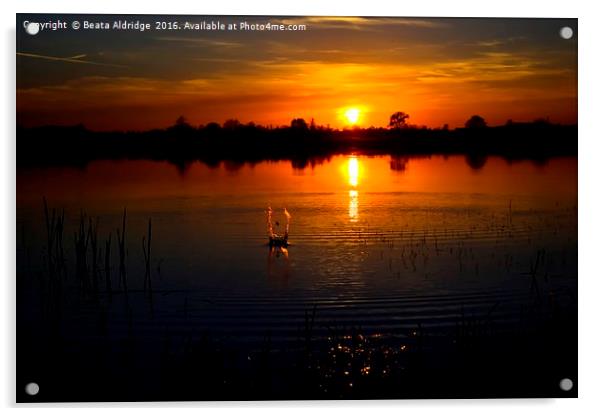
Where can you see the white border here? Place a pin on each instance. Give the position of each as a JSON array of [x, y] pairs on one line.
[[590, 207]]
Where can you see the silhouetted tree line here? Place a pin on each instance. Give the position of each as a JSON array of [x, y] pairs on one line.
[[302, 143]]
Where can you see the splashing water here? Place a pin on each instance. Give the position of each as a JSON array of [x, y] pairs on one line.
[[269, 219], [288, 221], [270, 226]]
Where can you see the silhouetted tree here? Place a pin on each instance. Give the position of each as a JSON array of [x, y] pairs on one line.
[[299, 124], [181, 121], [475, 122], [231, 124], [541, 122], [212, 128], [181, 127], [398, 120]]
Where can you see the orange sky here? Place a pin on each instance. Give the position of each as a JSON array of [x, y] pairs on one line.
[[440, 71]]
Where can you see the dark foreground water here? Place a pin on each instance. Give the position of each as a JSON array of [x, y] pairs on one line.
[[404, 277]]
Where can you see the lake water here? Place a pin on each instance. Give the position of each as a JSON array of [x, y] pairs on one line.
[[378, 242]]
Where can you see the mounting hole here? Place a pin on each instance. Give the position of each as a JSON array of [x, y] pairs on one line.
[[566, 32], [32, 389], [566, 384], [32, 28]]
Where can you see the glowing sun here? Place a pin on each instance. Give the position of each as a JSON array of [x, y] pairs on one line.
[[352, 115]]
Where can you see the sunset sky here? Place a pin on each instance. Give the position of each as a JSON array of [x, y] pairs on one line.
[[440, 71]]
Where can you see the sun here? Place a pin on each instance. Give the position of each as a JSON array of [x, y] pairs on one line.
[[352, 115]]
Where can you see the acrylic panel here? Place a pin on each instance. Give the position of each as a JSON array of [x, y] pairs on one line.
[[277, 208]]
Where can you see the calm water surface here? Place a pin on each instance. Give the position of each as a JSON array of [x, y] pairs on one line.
[[378, 241]]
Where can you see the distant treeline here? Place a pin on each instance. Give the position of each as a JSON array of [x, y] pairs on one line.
[[299, 142]]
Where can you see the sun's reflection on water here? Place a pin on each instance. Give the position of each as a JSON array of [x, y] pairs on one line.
[[353, 175], [353, 205], [353, 171]]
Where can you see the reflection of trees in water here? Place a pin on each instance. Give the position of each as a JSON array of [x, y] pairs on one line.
[[183, 166], [233, 165], [539, 162], [300, 164], [476, 161], [399, 163]]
